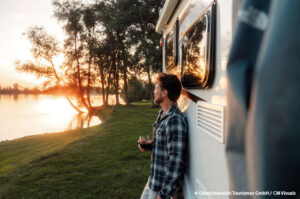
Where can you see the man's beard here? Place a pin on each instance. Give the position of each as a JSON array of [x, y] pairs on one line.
[[158, 100]]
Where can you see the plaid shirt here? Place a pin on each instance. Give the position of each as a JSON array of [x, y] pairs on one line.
[[168, 152]]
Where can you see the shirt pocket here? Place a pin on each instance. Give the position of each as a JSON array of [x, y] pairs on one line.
[[161, 137]]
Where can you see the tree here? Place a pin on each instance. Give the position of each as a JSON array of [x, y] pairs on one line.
[[105, 61], [70, 12], [116, 28], [44, 48], [106, 41], [137, 89], [90, 38], [145, 40], [16, 87]]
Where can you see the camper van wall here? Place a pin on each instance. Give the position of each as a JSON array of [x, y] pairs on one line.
[[206, 163]]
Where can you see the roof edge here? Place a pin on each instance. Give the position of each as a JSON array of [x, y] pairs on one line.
[[165, 14]]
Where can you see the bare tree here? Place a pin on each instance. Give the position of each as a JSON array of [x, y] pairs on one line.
[[44, 48]]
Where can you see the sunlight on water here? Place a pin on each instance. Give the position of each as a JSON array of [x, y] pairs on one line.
[[23, 115], [58, 111]]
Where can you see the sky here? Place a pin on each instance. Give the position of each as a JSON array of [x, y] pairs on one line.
[[15, 17]]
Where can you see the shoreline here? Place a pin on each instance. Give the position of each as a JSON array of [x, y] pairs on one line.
[[32, 115], [46, 133], [100, 161]]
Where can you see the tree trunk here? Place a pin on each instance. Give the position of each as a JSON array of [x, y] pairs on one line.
[[88, 84], [117, 86], [125, 86], [71, 103], [81, 91], [117, 79], [108, 85], [66, 96], [91, 58], [104, 102], [150, 85]]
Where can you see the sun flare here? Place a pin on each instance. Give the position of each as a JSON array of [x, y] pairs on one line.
[[55, 106], [58, 60], [58, 107]]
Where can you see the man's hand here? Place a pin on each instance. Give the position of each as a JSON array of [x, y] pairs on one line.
[[141, 149], [143, 142], [158, 197]]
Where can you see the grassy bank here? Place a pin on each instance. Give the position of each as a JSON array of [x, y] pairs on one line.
[[98, 162]]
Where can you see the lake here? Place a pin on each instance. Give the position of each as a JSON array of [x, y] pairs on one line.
[[23, 115]]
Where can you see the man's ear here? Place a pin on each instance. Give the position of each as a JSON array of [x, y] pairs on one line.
[[165, 93]]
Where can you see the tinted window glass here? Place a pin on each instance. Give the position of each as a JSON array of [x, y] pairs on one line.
[[194, 53], [170, 51]]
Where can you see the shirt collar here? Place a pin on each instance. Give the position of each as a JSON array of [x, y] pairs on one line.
[[169, 112]]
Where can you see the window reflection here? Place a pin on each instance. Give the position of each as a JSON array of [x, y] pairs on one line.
[[170, 51], [194, 53]]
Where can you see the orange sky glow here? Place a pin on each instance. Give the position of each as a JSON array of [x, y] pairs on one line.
[[15, 17]]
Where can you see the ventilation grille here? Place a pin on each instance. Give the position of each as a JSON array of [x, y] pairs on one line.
[[210, 119]]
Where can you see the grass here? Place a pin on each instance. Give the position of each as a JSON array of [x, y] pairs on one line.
[[97, 162]]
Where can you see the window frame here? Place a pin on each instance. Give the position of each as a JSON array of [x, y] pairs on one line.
[[208, 80], [175, 31]]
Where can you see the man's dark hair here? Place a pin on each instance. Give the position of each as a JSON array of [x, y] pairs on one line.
[[171, 83]]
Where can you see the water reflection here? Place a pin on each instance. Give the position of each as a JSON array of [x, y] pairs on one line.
[[37, 114], [84, 120], [195, 67], [183, 103], [59, 112], [16, 97]]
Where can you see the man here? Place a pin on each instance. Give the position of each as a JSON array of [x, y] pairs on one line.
[[169, 141]]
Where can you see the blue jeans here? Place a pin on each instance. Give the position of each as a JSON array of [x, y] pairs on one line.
[[148, 193]]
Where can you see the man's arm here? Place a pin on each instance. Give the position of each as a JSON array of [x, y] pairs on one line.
[[176, 144]]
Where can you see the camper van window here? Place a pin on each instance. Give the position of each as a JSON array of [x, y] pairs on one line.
[[171, 51], [195, 67]]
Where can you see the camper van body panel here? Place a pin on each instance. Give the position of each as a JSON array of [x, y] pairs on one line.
[[206, 164]]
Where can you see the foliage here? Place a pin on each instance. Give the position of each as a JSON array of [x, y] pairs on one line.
[[143, 36], [106, 41], [44, 48], [137, 90], [145, 40]]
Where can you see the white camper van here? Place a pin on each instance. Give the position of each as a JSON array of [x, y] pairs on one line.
[[197, 36]]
